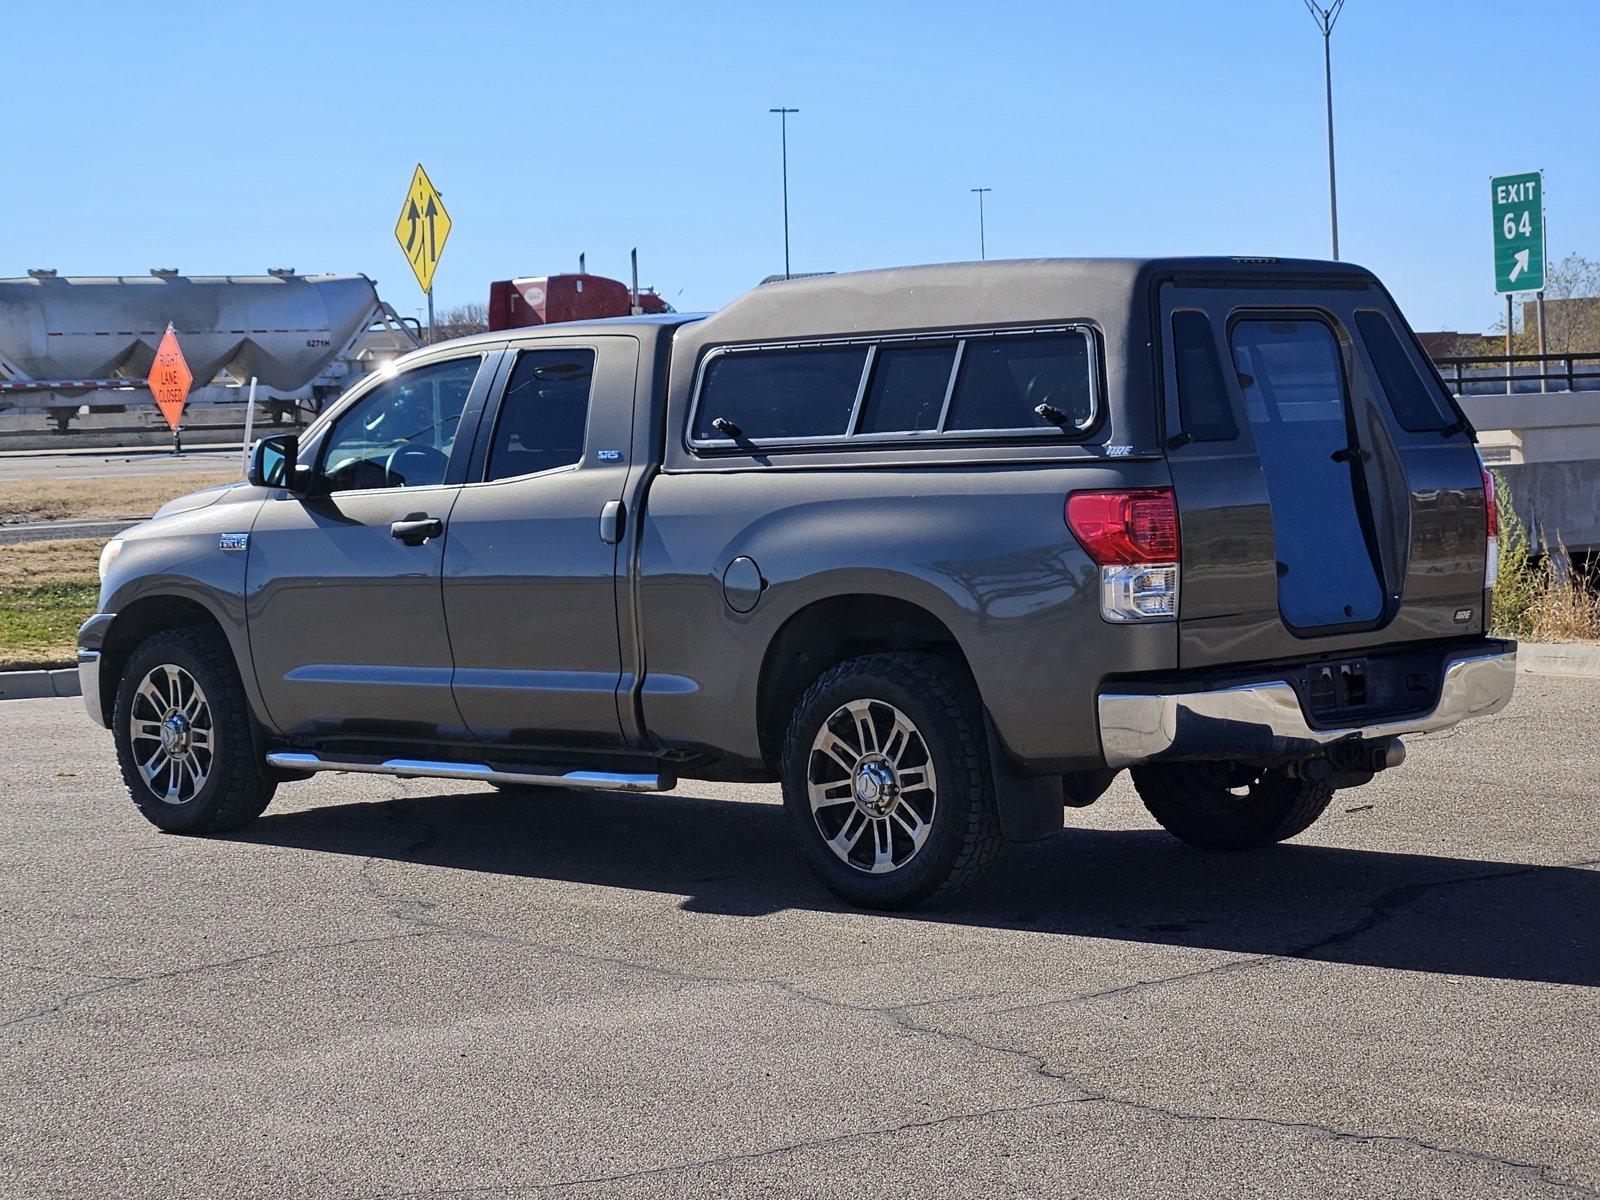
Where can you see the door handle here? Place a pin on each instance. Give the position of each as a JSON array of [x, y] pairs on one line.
[[416, 529], [611, 522], [1350, 454]]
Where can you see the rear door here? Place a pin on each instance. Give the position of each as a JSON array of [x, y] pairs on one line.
[[1325, 503], [530, 566]]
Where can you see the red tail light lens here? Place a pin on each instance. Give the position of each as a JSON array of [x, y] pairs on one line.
[[1126, 528], [1491, 506]]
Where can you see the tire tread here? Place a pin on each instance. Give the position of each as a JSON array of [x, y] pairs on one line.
[[943, 682], [245, 790]]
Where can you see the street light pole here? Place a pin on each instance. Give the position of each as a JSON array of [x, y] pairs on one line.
[[783, 123], [983, 248], [1325, 18]]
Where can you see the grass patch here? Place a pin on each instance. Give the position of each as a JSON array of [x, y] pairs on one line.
[[47, 589], [39, 625], [1530, 600], [37, 564], [48, 499]]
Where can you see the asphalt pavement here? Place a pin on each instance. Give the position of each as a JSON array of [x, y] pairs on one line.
[[389, 988], [92, 464]]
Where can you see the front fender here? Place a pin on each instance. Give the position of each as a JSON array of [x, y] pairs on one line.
[[176, 560]]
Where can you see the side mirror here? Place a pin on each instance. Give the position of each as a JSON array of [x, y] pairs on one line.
[[272, 463]]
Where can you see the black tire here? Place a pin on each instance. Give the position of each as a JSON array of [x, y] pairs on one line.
[[962, 838], [237, 785], [1230, 806]]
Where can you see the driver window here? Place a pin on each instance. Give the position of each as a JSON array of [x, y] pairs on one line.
[[400, 433]]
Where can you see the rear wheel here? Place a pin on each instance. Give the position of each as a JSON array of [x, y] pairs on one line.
[[886, 780], [1229, 805], [182, 728]]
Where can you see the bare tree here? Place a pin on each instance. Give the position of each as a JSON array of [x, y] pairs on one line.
[[1572, 312], [460, 321], [1572, 306]]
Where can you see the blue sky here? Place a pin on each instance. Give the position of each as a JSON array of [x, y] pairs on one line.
[[232, 137]]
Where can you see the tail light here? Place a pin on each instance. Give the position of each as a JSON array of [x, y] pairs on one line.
[[1133, 537], [1491, 509]]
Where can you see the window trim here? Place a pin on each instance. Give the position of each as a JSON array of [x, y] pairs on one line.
[[379, 379], [499, 408], [707, 447]]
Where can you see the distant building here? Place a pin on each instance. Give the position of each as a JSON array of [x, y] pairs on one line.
[[1448, 343], [1572, 326]]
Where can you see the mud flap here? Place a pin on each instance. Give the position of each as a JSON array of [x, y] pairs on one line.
[[1031, 808]]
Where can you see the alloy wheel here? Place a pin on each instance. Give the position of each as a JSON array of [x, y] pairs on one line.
[[172, 734], [871, 785]]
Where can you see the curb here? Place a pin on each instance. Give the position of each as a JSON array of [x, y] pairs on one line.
[[38, 685], [1574, 660]]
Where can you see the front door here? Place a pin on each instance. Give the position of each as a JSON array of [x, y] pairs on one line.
[[530, 567], [346, 621]]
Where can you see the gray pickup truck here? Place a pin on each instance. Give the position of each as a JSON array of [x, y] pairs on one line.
[[942, 549]]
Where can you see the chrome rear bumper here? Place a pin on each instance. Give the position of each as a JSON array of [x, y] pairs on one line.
[[1264, 720]]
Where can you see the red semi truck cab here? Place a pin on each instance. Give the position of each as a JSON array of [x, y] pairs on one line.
[[550, 299]]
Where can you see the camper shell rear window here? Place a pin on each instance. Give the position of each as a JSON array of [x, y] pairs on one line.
[[985, 384]]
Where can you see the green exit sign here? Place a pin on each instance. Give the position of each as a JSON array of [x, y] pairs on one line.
[[1518, 202]]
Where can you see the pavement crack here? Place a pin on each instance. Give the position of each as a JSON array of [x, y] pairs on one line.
[[1541, 1173], [1385, 905], [746, 1156], [1536, 1172], [399, 905], [1142, 985], [1378, 911], [221, 964]]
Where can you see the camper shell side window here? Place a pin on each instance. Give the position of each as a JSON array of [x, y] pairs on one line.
[[1039, 382]]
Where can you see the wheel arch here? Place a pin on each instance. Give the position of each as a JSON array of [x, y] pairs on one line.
[[830, 630], [152, 613], [827, 631]]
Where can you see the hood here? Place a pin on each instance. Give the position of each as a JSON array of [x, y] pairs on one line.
[[222, 492]]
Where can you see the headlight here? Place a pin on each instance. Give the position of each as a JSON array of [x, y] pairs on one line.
[[109, 556]]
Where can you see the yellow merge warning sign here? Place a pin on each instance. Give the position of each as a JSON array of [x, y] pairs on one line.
[[422, 228]]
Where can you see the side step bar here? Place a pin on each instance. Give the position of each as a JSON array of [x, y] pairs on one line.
[[421, 768]]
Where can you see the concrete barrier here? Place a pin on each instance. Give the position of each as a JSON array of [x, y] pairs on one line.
[[1558, 502]]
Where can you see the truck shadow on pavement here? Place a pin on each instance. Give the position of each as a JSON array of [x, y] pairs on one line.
[[1459, 916]]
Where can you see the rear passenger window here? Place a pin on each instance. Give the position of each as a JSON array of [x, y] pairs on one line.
[[1004, 379], [544, 414], [908, 389], [781, 393], [1413, 399], [1203, 405]]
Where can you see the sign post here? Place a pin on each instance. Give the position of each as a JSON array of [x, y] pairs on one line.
[[1517, 202], [421, 231], [169, 383], [249, 423]]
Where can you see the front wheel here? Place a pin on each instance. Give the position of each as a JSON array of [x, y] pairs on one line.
[[182, 728], [1228, 805], [886, 780]]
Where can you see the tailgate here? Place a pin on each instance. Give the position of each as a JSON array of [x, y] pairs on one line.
[[1328, 499]]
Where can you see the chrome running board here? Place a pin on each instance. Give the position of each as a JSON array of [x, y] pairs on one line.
[[421, 768]]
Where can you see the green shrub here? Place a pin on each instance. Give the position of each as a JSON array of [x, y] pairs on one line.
[[1521, 578]]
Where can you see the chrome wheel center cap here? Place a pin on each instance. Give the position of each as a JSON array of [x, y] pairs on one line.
[[876, 788], [175, 735]]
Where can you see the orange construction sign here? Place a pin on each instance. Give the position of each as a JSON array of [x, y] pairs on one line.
[[170, 379]]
